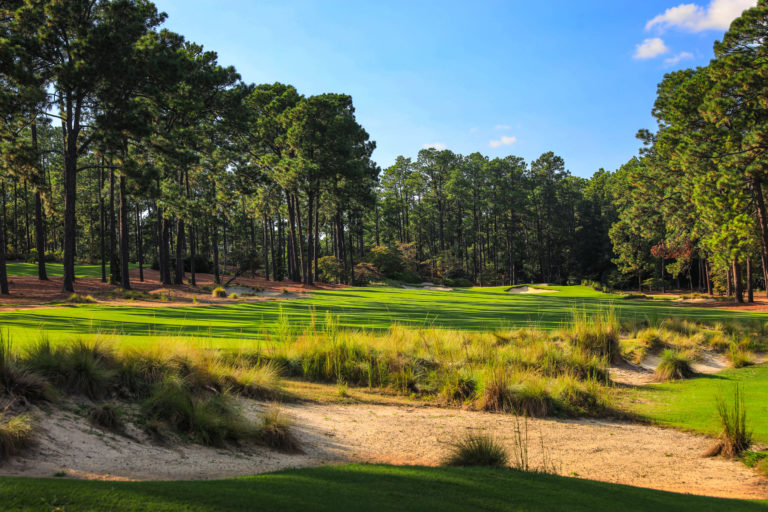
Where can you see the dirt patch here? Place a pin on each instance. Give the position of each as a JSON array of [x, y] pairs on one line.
[[609, 451], [529, 289]]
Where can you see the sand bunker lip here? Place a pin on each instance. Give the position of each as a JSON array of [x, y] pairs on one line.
[[428, 286], [529, 289]]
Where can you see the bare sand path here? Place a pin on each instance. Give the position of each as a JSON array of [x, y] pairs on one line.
[[610, 451]]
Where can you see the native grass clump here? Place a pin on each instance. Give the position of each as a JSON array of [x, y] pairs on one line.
[[522, 371], [735, 436], [176, 388], [675, 344]]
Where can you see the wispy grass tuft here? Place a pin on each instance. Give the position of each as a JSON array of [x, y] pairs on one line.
[[478, 450], [735, 437]]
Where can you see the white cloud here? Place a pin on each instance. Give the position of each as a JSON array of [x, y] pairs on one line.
[[503, 141], [434, 145], [677, 58], [694, 18], [650, 48], [501, 127]]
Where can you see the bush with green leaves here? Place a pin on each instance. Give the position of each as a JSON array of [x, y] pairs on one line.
[[330, 269], [387, 260]]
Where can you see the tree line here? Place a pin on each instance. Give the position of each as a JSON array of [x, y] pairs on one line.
[[126, 133], [122, 142], [694, 200]]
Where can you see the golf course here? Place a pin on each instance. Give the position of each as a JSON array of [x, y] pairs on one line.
[[373, 256]]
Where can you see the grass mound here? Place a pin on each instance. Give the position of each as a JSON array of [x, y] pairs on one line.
[[16, 434], [275, 431], [212, 420], [219, 292], [674, 365], [478, 450], [18, 383], [596, 334]]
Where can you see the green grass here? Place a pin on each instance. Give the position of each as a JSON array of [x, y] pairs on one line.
[[692, 405], [55, 270], [473, 309], [356, 487]]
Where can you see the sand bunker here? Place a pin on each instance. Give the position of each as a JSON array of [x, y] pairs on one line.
[[606, 450], [529, 289], [428, 286]]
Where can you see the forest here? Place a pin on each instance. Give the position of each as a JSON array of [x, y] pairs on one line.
[[122, 143]]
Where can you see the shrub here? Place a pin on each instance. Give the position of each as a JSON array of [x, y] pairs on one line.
[[408, 276], [365, 273], [458, 282], [478, 450], [107, 416], [330, 269], [16, 434], [219, 291], [734, 438], [202, 264], [387, 260], [275, 431], [673, 365]]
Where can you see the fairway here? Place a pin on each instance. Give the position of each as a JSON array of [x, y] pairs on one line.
[[690, 404], [474, 309], [357, 487]]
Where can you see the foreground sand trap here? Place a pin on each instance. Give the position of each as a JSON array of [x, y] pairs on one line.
[[610, 451], [528, 289]]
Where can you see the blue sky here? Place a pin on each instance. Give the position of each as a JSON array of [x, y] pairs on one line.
[[517, 77]]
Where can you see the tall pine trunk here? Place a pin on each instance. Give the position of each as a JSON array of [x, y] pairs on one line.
[[3, 269], [42, 275], [757, 189], [125, 278], [216, 274], [114, 271], [265, 245], [102, 225], [737, 288], [139, 245]]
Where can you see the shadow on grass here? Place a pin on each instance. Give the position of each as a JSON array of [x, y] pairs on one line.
[[360, 487]]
